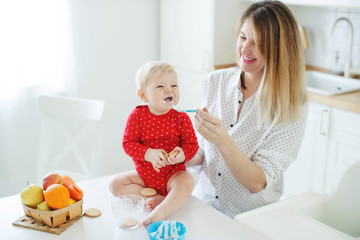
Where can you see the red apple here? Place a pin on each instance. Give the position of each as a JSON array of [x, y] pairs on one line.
[[50, 179]]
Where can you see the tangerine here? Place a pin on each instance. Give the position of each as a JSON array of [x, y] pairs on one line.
[[57, 196]]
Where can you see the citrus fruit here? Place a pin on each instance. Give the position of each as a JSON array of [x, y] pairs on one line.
[[71, 201], [57, 196]]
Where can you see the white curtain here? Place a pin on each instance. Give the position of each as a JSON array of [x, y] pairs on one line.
[[35, 57]]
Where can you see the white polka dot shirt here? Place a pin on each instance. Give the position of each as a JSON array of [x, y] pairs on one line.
[[272, 148]]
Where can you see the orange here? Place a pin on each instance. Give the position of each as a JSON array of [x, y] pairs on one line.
[[57, 196], [71, 201]]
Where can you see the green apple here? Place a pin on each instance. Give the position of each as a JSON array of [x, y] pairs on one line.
[[43, 206], [32, 195]]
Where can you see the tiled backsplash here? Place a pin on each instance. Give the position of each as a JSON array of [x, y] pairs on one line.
[[323, 47]]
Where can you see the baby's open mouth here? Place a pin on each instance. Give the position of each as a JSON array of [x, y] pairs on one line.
[[168, 99]]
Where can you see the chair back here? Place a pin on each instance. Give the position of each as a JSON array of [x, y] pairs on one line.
[[343, 209], [71, 136]]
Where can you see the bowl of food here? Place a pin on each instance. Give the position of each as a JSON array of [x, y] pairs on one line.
[[167, 229], [128, 210]]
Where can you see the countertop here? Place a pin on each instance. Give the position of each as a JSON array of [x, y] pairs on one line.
[[348, 101]]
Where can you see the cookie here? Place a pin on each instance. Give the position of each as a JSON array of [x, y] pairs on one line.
[[148, 192], [129, 222], [92, 212], [172, 153]]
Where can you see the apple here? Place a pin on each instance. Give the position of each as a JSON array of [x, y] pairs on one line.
[[32, 195], [43, 206], [50, 179]]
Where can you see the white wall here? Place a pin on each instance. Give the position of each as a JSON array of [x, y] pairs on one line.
[[318, 22], [112, 39]]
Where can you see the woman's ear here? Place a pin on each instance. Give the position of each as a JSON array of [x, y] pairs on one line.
[[142, 95]]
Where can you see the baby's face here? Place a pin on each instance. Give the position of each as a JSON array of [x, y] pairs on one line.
[[162, 92]]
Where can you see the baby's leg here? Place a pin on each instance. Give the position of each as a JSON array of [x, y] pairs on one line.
[[127, 183], [179, 187]]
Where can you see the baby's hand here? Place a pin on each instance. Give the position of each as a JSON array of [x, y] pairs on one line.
[[176, 156], [156, 157]]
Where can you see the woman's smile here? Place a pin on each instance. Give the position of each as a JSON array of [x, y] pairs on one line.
[[248, 60]]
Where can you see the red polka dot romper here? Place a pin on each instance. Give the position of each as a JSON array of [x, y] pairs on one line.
[[145, 130]]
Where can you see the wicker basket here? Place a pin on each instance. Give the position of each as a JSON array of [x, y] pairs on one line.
[[55, 217]]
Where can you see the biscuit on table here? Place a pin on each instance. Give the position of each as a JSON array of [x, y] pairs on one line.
[[92, 212], [129, 222], [148, 192]]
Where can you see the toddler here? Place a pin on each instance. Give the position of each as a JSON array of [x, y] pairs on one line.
[[160, 140]]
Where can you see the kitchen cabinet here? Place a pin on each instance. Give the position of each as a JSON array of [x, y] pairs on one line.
[[196, 35], [308, 171], [185, 33], [330, 146], [343, 146]]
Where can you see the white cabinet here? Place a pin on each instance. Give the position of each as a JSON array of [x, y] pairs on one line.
[[195, 35], [344, 146], [331, 145], [307, 172], [186, 30]]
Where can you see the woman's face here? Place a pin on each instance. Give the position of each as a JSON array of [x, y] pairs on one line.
[[251, 61]]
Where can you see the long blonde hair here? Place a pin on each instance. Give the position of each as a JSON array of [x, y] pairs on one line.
[[282, 91]]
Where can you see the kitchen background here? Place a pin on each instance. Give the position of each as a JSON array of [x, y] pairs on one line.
[[92, 49]]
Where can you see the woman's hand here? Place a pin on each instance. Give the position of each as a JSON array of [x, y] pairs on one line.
[[243, 169], [210, 127], [176, 156], [156, 157]]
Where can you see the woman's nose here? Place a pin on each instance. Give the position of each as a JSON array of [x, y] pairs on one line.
[[245, 48]]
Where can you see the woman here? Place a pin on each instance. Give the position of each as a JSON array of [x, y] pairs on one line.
[[254, 120]]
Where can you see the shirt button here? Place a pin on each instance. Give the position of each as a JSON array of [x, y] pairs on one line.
[[219, 174], [239, 101], [231, 125], [216, 197]]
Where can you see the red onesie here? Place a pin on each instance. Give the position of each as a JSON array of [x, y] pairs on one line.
[[145, 130]]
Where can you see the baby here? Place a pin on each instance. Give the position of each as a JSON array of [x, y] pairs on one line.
[[160, 140]]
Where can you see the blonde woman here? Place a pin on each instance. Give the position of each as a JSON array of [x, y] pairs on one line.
[[253, 121]]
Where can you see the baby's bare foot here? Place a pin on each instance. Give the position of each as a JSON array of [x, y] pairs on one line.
[[154, 216], [153, 202]]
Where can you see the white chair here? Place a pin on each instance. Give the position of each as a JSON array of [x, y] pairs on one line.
[[342, 209], [71, 136]]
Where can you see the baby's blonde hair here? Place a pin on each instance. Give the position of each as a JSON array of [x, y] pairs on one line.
[[150, 69]]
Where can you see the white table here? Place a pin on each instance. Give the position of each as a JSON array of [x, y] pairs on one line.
[[201, 220]]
